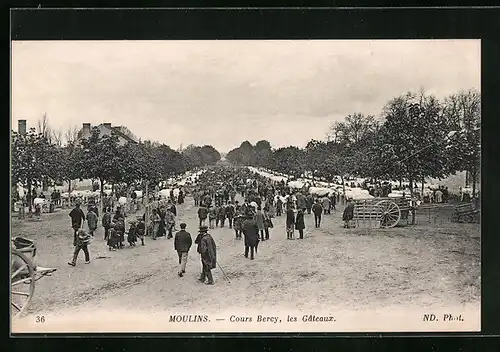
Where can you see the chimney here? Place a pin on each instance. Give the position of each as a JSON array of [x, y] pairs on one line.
[[86, 130], [107, 124], [21, 127]]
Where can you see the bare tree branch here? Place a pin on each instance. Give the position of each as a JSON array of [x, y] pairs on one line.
[[71, 134]]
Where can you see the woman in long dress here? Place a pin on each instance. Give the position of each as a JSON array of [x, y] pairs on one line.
[[299, 223]]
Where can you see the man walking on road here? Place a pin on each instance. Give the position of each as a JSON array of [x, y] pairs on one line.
[[202, 215], [326, 205], [317, 210], [229, 210], [182, 244], [77, 217], [208, 253]]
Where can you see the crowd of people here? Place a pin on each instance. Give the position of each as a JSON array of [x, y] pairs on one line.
[[243, 201], [263, 200]]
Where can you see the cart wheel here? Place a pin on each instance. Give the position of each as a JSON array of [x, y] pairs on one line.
[[390, 213], [22, 282]]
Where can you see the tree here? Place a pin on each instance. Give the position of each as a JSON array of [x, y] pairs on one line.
[[315, 156], [200, 156], [72, 134], [44, 128], [210, 155], [234, 156], [463, 114], [132, 164], [32, 161], [289, 160], [350, 146], [151, 166], [245, 154], [413, 132], [354, 129], [263, 153], [71, 163], [101, 158], [192, 153]]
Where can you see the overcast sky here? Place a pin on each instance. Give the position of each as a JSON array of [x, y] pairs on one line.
[[224, 92]]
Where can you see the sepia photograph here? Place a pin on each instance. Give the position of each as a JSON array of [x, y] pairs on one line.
[[178, 186]]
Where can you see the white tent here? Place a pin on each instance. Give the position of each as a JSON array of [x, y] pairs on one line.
[[319, 191]]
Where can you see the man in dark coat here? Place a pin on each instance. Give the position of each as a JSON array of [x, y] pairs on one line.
[[207, 200], [279, 206], [208, 252], [106, 222], [309, 203], [251, 232], [92, 221], [180, 197], [290, 222], [172, 208], [348, 213], [202, 215], [230, 214], [317, 210], [182, 244], [141, 229], [162, 229], [118, 214], [77, 217], [333, 201], [299, 223], [221, 215]]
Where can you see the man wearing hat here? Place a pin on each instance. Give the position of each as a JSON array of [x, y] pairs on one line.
[[251, 232], [348, 214], [182, 244], [77, 217], [208, 252]]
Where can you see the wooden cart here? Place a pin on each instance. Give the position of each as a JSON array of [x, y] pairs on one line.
[[383, 212], [24, 274]]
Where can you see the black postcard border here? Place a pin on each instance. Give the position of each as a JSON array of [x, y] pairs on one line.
[[293, 23]]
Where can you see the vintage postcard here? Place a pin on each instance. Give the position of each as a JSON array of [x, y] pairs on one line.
[[245, 186]]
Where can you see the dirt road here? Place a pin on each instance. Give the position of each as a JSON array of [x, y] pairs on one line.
[[331, 268]]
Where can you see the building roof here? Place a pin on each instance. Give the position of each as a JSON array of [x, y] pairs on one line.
[[118, 131]]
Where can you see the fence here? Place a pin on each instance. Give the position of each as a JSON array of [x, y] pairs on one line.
[[435, 213]]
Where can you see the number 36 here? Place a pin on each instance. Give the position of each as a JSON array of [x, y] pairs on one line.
[[40, 319]]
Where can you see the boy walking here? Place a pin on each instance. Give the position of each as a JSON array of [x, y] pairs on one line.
[[81, 242]]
